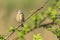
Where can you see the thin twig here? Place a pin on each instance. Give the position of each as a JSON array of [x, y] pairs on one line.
[[37, 10], [26, 20]]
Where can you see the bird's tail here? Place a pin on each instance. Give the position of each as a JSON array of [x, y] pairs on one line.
[[22, 25]]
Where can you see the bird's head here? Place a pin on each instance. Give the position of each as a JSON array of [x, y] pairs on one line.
[[20, 12]]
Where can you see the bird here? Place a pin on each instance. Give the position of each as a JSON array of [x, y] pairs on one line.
[[20, 17]]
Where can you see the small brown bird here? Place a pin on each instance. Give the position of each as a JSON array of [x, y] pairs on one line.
[[20, 17]]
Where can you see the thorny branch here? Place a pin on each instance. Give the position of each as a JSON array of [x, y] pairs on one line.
[[26, 20]]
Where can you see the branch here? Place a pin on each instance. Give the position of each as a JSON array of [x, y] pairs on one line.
[[51, 23], [42, 25], [26, 20]]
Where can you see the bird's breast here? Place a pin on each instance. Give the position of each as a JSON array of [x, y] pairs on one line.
[[18, 17]]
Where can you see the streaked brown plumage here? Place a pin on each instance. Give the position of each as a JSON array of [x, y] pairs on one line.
[[20, 17]]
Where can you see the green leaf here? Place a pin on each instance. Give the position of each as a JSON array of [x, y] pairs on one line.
[[54, 12], [57, 31], [33, 17], [58, 3], [53, 17], [1, 37], [49, 9], [12, 28], [40, 16], [37, 37], [20, 33], [58, 21], [26, 28]]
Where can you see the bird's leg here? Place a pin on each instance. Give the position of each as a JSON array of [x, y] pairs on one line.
[[22, 25]]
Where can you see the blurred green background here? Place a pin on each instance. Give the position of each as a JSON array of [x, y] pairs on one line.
[[9, 8]]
